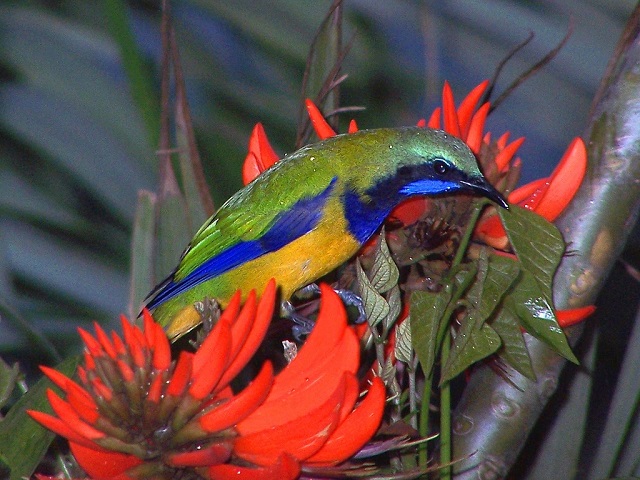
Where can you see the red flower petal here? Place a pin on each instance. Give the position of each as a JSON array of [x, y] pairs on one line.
[[67, 414], [59, 379], [506, 154], [320, 125], [520, 194], [61, 428], [211, 455], [210, 361], [260, 157], [476, 128], [353, 127], [434, 119], [564, 181], [467, 107], [451, 123], [181, 374], [103, 465], [410, 211], [306, 393], [104, 340], [301, 437], [567, 318], [328, 331], [263, 315], [356, 430], [284, 468], [241, 405]]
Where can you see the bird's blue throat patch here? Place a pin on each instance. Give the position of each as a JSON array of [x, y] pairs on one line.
[[289, 225], [365, 214]]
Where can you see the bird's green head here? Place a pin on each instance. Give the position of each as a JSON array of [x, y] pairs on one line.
[[395, 164], [418, 161]]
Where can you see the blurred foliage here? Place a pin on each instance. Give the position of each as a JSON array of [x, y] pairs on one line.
[[76, 146]]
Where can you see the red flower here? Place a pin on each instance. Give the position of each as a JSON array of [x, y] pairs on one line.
[[135, 413]]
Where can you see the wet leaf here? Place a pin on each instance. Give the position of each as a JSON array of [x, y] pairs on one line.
[[470, 345], [535, 314], [142, 252], [514, 349], [8, 378]]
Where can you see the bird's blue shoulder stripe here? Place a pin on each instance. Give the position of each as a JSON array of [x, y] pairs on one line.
[[288, 225]]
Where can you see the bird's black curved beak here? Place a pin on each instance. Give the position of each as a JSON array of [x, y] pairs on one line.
[[480, 186]]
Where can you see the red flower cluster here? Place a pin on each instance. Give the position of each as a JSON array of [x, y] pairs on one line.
[[135, 413]]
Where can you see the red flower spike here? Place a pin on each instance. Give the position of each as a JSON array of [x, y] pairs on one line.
[[215, 349], [301, 437], [451, 123], [520, 194], [567, 318], [353, 127], [241, 405], [103, 465], [285, 468], [356, 430], [434, 119], [467, 107], [260, 157], [191, 428], [261, 323], [422, 123], [233, 309], [212, 455], [320, 125], [476, 128]]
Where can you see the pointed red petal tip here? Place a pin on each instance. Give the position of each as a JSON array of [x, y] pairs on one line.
[[353, 126], [467, 107], [567, 318], [320, 125], [103, 465], [451, 122], [260, 157]]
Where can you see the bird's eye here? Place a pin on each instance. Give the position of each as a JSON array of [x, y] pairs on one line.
[[441, 167]]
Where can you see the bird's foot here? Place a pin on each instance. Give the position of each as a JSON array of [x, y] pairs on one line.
[[303, 324]]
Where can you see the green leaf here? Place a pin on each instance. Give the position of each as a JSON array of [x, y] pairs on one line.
[[403, 349], [514, 349], [142, 252], [426, 312], [375, 306], [529, 302], [384, 272], [394, 299], [470, 345], [8, 378], [538, 244], [172, 230], [23, 442], [502, 272]]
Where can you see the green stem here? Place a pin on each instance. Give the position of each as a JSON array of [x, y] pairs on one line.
[[445, 416], [423, 426], [478, 206]]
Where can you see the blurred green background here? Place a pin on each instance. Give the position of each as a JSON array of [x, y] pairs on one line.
[[74, 147]]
